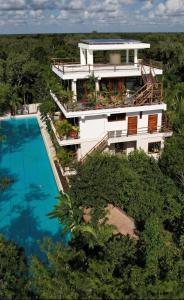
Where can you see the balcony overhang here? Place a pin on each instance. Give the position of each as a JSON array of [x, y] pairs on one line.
[[107, 111], [77, 71]]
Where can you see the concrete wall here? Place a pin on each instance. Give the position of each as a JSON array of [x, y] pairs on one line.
[[94, 128]]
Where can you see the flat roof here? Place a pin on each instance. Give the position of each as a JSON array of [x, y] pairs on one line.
[[108, 41], [111, 44]]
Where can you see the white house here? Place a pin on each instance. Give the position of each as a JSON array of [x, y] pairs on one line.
[[125, 109]]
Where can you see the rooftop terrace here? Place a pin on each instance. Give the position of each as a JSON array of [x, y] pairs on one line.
[[78, 71]]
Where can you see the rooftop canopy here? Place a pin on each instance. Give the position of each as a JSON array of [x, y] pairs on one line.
[[111, 44]]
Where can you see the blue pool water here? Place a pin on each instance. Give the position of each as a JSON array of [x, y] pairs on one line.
[[25, 204]]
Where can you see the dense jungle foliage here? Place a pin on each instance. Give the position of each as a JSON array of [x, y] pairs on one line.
[[95, 264]]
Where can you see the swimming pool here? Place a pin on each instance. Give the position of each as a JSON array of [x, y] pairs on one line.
[[31, 196]]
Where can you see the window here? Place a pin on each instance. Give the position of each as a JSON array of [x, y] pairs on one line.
[[116, 117], [125, 147], [154, 147]]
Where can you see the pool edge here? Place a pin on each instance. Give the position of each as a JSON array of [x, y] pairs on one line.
[[50, 150]]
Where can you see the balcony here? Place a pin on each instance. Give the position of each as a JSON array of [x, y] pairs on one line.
[[164, 130], [65, 133], [100, 98], [146, 95], [78, 71]]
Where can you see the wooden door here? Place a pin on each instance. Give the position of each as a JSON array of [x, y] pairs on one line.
[[132, 125], [110, 85], [152, 123], [120, 86]]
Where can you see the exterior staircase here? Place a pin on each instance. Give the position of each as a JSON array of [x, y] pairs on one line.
[[151, 92], [100, 146]]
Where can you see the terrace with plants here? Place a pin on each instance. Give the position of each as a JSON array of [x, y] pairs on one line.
[[62, 130], [65, 130], [150, 92]]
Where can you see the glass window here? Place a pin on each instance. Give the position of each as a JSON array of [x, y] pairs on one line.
[[116, 117], [154, 147]]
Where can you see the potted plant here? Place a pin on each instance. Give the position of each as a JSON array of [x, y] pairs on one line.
[[98, 102], [97, 105], [64, 96], [91, 84], [63, 127], [92, 99], [64, 157], [104, 100], [92, 94], [73, 133]]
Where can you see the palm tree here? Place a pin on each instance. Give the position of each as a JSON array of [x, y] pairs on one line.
[[66, 213], [72, 219], [15, 103]]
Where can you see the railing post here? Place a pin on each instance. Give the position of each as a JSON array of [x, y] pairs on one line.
[[63, 69]]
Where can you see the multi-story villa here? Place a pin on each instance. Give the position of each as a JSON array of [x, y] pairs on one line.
[[116, 105]]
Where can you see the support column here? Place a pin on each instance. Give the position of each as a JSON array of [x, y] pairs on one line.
[[74, 89], [135, 56], [82, 56], [97, 85], [127, 56], [89, 57]]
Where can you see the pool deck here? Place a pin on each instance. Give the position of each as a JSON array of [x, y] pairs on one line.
[[50, 150], [47, 141]]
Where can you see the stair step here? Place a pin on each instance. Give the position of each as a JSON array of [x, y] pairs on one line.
[[100, 146]]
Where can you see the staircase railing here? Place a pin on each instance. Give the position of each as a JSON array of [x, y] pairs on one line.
[[148, 77], [141, 95], [151, 92], [100, 146]]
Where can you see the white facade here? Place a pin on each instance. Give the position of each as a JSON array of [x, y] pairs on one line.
[[94, 128], [94, 124]]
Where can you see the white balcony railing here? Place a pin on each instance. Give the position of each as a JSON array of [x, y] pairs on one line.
[[139, 131], [66, 68], [88, 69]]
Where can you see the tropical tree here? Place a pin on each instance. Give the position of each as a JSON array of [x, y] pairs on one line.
[[14, 103], [13, 271], [47, 108], [172, 159], [72, 220]]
